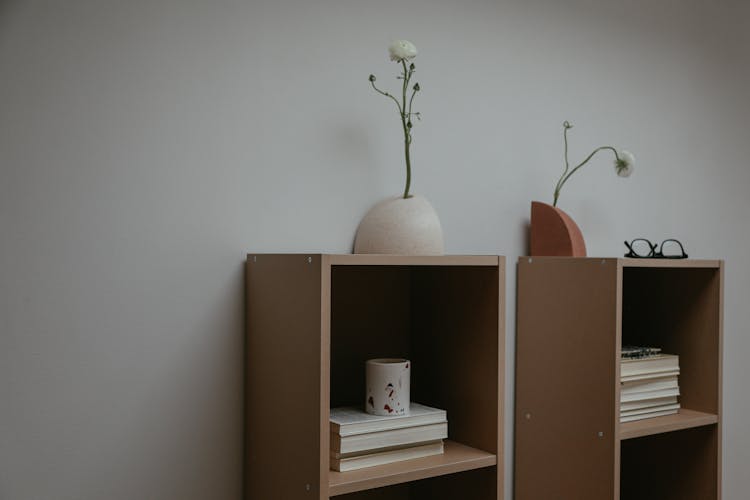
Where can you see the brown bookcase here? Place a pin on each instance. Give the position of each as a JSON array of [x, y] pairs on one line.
[[574, 315], [313, 320]]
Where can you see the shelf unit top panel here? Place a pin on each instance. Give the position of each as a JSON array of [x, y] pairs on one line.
[[399, 260], [413, 260], [628, 262], [671, 263]]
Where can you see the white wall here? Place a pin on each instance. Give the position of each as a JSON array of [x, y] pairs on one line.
[[146, 146]]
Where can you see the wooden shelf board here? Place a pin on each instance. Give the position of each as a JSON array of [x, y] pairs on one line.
[[685, 419], [412, 260], [628, 262], [457, 458], [673, 263], [390, 260]]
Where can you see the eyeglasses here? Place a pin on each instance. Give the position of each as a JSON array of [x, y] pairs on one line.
[[641, 248]]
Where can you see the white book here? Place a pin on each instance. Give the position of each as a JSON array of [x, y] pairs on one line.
[[642, 396], [350, 420], [647, 415], [643, 411], [663, 363], [647, 403], [373, 441], [653, 384], [649, 376], [386, 457]]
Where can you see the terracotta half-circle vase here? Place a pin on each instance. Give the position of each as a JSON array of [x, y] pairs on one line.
[[400, 226], [554, 233]]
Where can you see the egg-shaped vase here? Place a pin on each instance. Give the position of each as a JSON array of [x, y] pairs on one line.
[[400, 226]]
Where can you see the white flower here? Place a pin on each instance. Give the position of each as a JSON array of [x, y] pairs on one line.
[[624, 166], [402, 49]]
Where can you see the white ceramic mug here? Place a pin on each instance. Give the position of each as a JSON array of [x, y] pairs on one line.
[[388, 384]]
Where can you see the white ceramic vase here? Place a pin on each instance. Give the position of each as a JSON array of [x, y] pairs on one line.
[[400, 226]]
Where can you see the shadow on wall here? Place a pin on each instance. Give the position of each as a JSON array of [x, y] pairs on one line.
[[525, 230], [356, 154], [5, 9], [214, 400]]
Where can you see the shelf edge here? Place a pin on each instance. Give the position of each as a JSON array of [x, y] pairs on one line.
[[686, 419], [421, 468]]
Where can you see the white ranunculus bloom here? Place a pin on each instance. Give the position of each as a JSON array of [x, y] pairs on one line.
[[402, 49], [624, 166]]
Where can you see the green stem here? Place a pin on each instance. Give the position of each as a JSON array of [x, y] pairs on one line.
[[407, 133], [408, 167], [566, 126], [387, 95], [405, 115], [410, 102], [565, 177]]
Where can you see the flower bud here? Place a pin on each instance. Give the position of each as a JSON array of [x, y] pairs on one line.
[[408, 124], [412, 67], [372, 78], [417, 88]]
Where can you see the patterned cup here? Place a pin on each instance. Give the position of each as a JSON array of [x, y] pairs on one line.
[[388, 383]]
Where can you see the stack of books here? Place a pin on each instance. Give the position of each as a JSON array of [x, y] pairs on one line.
[[360, 440], [649, 383]]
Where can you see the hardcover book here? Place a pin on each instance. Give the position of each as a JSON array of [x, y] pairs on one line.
[[372, 441], [653, 384], [650, 367], [355, 462], [647, 403], [351, 420], [645, 395], [647, 411], [661, 413], [648, 376]]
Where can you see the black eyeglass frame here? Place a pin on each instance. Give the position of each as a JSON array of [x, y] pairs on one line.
[[653, 253]]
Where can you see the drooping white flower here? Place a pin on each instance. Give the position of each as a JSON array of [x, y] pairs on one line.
[[624, 166], [402, 50]]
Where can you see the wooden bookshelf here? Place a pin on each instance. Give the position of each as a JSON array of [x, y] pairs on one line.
[[574, 315], [313, 320]]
